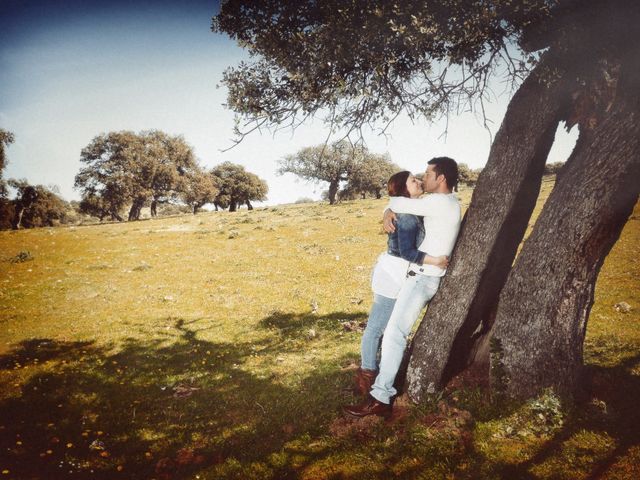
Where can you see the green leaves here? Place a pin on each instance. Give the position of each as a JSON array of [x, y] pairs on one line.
[[319, 57], [125, 167]]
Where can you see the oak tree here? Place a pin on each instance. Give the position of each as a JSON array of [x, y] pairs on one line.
[[237, 187], [125, 168], [340, 164], [361, 63]]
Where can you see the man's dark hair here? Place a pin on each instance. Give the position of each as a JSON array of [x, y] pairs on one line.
[[449, 168]]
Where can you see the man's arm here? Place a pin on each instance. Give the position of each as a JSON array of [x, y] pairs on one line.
[[414, 206]]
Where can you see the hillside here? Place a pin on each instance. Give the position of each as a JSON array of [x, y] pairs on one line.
[[223, 345]]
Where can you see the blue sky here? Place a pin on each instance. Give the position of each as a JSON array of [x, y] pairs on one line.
[[70, 70]]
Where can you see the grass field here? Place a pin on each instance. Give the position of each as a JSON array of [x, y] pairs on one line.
[[223, 345]]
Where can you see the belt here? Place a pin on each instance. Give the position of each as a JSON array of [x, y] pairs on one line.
[[415, 271]]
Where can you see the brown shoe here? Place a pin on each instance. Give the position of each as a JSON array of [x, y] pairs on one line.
[[370, 406], [364, 379]]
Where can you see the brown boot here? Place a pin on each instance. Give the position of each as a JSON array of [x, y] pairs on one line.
[[370, 406], [364, 379]]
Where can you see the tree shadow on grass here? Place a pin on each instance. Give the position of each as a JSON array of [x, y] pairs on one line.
[[157, 408], [298, 324], [608, 407]]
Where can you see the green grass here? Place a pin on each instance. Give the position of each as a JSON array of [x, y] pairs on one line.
[[223, 345]]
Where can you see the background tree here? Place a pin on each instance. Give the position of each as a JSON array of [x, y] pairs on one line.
[[237, 186], [170, 156], [256, 190], [553, 168], [25, 197], [6, 139], [34, 206], [468, 176], [370, 176], [135, 169], [106, 204], [198, 189], [365, 62], [106, 183], [6, 207], [48, 210], [334, 164]]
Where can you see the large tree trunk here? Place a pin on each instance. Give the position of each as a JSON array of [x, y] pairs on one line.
[[542, 315], [116, 216], [462, 311], [136, 207], [333, 191], [17, 218]]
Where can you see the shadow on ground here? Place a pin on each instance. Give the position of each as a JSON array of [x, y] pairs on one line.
[[607, 408], [156, 409], [178, 405]]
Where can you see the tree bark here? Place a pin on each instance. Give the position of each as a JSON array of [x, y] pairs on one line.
[[116, 216], [333, 191], [462, 311], [542, 315], [17, 218], [136, 207]]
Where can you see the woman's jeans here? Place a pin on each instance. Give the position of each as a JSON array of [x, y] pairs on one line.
[[378, 319], [416, 291]]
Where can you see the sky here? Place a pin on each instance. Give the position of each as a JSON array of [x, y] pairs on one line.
[[73, 69]]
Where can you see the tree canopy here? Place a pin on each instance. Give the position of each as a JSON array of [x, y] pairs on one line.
[[125, 168], [341, 164], [33, 206], [364, 62], [6, 139], [237, 187], [361, 63], [198, 188]]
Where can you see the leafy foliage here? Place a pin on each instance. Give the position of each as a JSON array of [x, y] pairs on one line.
[[364, 62], [128, 168], [341, 163], [370, 177], [553, 168], [198, 188], [6, 139], [467, 175], [237, 186], [34, 206]]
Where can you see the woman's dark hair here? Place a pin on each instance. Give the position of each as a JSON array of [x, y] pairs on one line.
[[397, 184]]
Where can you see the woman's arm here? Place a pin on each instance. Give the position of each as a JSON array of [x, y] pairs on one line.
[[409, 236], [408, 231]]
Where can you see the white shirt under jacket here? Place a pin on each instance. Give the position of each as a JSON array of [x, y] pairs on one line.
[[442, 214]]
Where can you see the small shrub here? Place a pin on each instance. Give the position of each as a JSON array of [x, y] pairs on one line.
[[23, 256]]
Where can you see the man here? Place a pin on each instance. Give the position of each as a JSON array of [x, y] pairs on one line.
[[441, 212]]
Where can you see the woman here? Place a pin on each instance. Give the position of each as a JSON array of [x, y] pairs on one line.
[[389, 274]]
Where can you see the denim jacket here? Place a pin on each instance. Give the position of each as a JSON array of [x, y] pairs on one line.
[[408, 236]]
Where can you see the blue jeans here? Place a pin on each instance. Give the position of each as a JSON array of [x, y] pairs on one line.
[[416, 291], [378, 319]]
